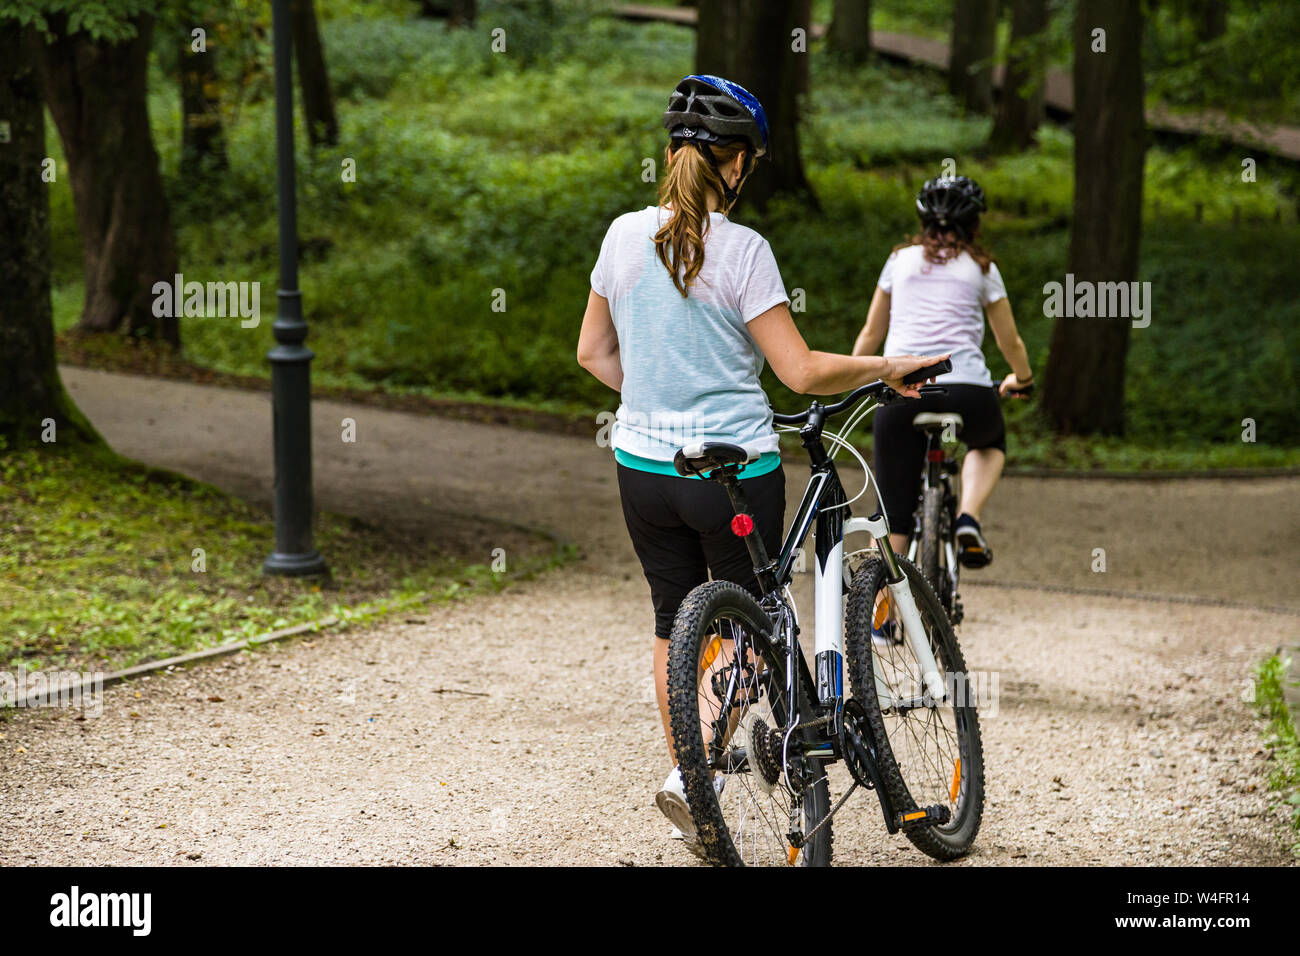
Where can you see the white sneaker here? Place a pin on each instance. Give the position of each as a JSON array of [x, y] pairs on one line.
[[671, 801]]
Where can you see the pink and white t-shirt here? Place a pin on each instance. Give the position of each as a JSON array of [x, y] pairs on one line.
[[940, 308]]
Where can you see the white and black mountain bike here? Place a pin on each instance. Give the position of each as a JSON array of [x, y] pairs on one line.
[[744, 704]]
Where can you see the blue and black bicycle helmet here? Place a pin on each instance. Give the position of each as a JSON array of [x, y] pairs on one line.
[[951, 202], [713, 111]]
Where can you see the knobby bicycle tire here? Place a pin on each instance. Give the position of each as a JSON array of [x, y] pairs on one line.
[[955, 838], [704, 606]]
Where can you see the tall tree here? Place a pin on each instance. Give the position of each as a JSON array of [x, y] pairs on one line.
[[203, 141], [753, 43], [1084, 388], [30, 389], [1020, 105], [95, 88], [313, 79], [850, 30], [1209, 18], [457, 13], [974, 40]]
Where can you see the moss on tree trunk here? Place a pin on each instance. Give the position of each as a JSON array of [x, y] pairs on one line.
[[33, 402]]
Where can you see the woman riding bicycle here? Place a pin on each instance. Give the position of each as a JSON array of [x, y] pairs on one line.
[[933, 293], [685, 307]]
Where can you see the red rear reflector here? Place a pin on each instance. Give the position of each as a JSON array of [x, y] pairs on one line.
[[934, 455], [742, 525]]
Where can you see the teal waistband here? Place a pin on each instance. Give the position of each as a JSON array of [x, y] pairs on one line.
[[768, 461]]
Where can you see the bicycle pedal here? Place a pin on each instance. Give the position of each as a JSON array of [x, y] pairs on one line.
[[925, 817]]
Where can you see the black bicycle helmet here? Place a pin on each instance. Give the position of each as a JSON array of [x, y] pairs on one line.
[[715, 110], [708, 110], [951, 203]]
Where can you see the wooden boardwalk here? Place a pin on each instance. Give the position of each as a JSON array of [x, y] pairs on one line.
[[1058, 93]]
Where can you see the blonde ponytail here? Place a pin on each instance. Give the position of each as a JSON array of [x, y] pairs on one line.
[[686, 186]]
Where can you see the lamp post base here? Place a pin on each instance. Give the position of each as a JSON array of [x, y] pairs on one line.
[[296, 565]]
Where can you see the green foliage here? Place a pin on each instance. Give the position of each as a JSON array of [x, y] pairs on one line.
[[871, 117], [1283, 740], [103, 19], [476, 173], [97, 567], [1249, 71]]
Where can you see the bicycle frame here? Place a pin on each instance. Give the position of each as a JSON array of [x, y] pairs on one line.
[[823, 510]]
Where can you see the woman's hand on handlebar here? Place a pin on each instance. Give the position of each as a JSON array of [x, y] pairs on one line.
[[900, 365], [1011, 385]]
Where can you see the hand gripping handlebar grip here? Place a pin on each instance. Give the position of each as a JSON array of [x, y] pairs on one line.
[[930, 371]]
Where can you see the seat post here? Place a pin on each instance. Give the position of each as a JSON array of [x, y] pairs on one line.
[[754, 540]]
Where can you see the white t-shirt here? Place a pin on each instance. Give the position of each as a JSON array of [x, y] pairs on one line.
[[940, 308], [690, 366]]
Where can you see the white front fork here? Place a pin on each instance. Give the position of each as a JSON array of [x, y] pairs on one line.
[[913, 629]]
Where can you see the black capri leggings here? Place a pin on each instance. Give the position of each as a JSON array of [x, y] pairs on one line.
[[900, 447], [681, 530]]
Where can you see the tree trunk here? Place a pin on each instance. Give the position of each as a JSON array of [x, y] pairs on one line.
[[850, 30], [457, 13], [749, 42], [974, 37], [97, 96], [313, 79], [1084, 388], [203, 141], [30, 388], [1020, 107], [1210, 19]]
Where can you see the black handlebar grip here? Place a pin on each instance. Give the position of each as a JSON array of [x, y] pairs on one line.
[[930, 371]]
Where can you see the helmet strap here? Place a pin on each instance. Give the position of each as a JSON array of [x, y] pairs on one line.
[[729, 195]]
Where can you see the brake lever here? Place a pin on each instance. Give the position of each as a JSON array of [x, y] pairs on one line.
[[933, 390]]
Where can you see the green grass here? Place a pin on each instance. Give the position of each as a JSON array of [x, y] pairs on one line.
[[1282, 741], [474, 174], [98, 568]]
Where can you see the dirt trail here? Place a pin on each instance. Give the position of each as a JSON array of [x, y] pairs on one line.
[[521, 728]]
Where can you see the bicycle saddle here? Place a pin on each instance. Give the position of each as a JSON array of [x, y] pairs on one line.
[[935, 421], [706, 456]]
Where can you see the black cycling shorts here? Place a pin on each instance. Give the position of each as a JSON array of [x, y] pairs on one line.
[[681, 530], [900, 447]]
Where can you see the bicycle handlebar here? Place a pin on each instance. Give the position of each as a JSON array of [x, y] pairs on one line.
[[877, 388]]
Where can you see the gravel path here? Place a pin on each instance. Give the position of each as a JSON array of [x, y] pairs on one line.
[[521, 728]]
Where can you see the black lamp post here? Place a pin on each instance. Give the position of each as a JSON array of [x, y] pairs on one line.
[[294, 551]]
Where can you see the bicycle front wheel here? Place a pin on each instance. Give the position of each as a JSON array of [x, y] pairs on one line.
[[929, 752], [747, 790]]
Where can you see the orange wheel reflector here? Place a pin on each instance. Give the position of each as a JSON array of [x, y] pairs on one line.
[[882, 612], [956, 780], [711, 651], [793, 854]]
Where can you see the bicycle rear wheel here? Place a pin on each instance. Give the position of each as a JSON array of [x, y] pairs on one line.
[[730, 716], [929, 555], [929, 752]]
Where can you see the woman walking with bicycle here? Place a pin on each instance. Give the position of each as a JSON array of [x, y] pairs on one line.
[[685, 308], [933, 294]]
